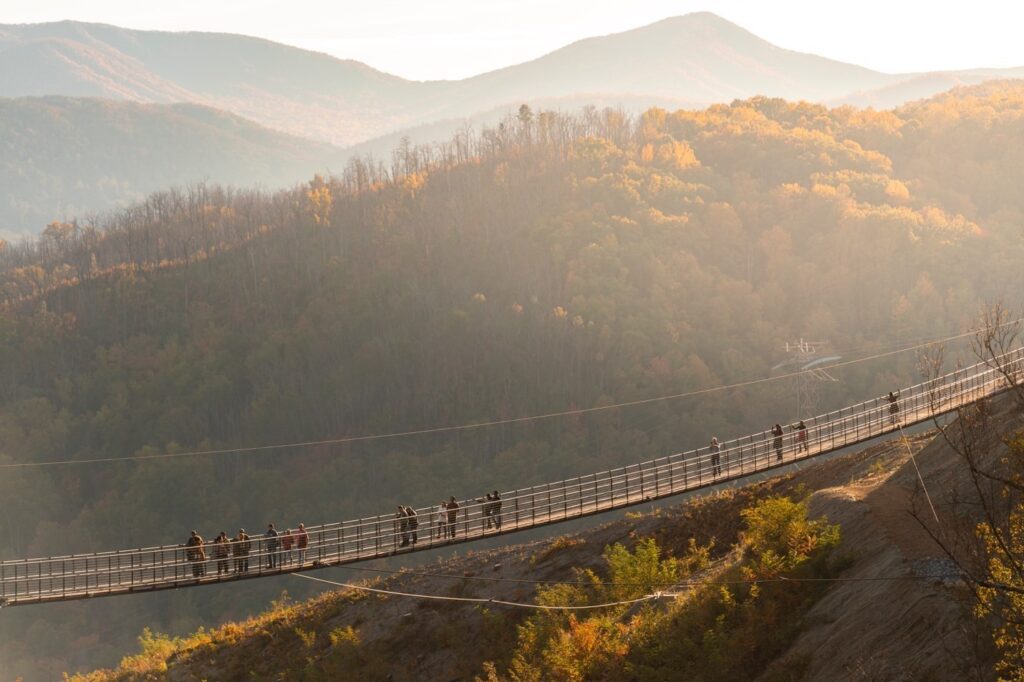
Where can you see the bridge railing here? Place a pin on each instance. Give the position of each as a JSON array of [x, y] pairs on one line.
[[128, 570]]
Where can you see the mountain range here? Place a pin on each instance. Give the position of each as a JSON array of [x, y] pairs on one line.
[[687, 61], [697, 58]]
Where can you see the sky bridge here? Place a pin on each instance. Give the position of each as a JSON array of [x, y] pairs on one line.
[[133, 571]]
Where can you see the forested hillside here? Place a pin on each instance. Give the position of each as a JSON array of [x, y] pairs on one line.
[[551, 263], [63, 157]]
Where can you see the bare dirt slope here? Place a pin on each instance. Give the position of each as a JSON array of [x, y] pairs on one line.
[[873, 627]]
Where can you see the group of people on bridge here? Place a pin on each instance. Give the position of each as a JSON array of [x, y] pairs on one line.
[[446, 518], [289, 547], [799, 431], [282, 548]]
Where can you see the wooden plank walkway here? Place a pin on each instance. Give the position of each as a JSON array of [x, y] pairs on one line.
[[128, 571]]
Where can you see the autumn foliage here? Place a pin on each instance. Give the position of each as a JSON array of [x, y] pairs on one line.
[[550, 263]]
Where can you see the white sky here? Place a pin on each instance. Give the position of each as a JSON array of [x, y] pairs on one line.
[[432, 39]]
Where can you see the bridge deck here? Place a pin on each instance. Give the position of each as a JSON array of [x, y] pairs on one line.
[[168, 567]]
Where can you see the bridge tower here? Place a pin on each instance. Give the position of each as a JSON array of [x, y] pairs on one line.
[[807, 357]]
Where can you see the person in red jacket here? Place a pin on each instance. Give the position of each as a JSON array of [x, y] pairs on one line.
[[287, 540]]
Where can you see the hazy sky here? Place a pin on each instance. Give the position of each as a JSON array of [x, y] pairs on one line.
[[427, 39]]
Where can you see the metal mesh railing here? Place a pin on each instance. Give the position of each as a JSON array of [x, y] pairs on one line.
[[169, 566]]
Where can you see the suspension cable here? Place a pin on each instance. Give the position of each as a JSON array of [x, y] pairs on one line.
[[481, 600], [478, 425], [646, 597]]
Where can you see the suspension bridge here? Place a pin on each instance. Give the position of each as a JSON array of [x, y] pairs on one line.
[[130, 571]]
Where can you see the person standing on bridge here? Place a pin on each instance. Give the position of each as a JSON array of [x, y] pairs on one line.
[[301, 543], [894, 407], [220, 552], [453, 517], [240, 550], [414, 523], [402, 526], [801, 437], [273, 543], [287, 542], [777, 441], [496, 509], [716, 457], [196, 555], [441, 520], [488, 510]]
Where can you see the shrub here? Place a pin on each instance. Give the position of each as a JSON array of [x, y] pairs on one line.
[[728, 629]]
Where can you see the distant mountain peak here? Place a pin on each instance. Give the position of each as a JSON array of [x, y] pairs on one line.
[[703, 18], [698, 58]]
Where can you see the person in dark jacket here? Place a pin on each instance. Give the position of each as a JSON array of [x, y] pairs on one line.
[[716, 457], [402, 526], [487, 509], [414, 523], [240, 549], [220, 552], [453, 516], [894, 407], [496, 509], [272, 545], [196, 554], [777, 441]]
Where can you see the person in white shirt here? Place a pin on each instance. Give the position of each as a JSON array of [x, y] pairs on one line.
[[441, 520]]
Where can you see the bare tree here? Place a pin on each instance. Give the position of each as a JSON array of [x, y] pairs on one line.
[[982, 532]]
